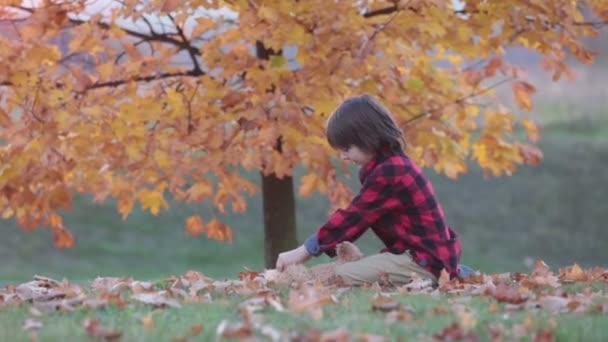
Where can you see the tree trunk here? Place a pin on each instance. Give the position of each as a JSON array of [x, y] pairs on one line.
[[280, 233]]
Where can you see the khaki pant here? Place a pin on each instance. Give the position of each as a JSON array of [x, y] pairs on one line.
[[400, 269]]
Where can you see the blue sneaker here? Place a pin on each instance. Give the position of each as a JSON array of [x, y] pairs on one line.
[[465, 271]]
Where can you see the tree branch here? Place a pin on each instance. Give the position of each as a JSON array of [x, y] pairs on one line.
[[394, 8], [115, 83], [185, 40]]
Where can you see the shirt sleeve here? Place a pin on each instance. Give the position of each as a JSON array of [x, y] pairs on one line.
[[377, 196]]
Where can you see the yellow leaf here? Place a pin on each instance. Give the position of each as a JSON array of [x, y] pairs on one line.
[[203, 25], [311, 182], [200, 191], [531, 130], [268, 13], [162, 159], [152, 200]]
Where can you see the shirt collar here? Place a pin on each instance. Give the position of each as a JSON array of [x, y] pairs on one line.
[[377, 159]]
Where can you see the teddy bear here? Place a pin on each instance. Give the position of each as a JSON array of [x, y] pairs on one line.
[[298, 274]]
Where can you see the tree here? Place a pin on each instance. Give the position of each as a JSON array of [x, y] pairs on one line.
[[145, 101]]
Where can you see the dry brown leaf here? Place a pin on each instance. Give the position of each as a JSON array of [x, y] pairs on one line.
[[398, 316], [113, 298], [444, 280], [32, 324], [493, 308], [383, 302], [466, 318], [370, 338], [60, 304], [94, 330], [310, 300], [508, 294], [572, 274], [544, 335], [110, 284], [524, 328], [148, 322], [157, 299], [454, 332], [417, 285], [555, 304], [495, 332], [248, 275], [338, 335], [141, 286], [541, 275], [237, 330], [271, 332]]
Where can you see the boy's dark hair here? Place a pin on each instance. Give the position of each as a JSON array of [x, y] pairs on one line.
[[364, 122]]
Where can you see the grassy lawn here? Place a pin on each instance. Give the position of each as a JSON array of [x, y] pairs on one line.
[[433, 315]]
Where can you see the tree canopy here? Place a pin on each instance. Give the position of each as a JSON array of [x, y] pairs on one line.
[[142, 101]]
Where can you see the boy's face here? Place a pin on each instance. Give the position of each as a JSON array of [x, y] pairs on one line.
[[355, 155]]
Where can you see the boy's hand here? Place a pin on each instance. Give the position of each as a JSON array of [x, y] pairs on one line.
[[294, 256]]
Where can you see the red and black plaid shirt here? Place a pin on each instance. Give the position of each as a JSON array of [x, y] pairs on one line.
[[398, 203]]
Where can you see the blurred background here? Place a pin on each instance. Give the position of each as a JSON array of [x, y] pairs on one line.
[[556, 211]]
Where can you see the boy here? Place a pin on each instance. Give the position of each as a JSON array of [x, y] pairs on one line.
[[396, 201]]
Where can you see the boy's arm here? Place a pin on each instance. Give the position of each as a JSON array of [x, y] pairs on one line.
[[377, 196]]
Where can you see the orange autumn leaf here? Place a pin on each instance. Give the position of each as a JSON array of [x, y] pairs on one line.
[[95, 330], [63, 238], [572, 274], [523, 91], [195, 225], [217, 230]]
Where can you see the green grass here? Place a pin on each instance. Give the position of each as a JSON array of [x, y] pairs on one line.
[[352, 312]]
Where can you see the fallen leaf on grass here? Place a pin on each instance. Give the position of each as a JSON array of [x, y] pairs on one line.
[[572, 274], [370, 338], [398, 316], [524, 328], [555, 304], [113, 298], [94, 330], [148, 322], [383, 302], [265, 299], [111, 284], [157, 299], [234, 330], [194, 331], [338, 335], [541, 275], [417, 285], [271, 332], [32, 324], [544, 335], [508, 294], [495, 332], [310, 300], [454, 332]]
